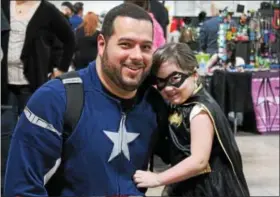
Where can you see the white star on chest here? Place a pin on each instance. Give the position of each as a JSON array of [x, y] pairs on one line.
[[121, 139]]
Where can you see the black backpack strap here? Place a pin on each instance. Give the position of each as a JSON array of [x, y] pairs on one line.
[[74, 106], [74, 101], [159, 143]]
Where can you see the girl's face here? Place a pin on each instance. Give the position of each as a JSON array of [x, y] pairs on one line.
[[174, 84]]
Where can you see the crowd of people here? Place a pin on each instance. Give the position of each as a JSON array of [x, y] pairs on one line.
[[140, 96]]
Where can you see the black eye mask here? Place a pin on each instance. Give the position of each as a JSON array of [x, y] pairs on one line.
[[175, 79]]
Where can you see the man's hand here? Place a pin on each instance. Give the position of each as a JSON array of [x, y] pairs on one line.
[[56, 73], [146, 179]]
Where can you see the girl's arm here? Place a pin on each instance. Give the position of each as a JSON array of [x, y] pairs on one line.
[[202, 134]]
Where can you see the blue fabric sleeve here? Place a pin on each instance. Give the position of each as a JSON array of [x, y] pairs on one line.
[[36, 142]]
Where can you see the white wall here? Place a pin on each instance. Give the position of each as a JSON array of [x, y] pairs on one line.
[[95, 6], [192, 8], [178, 8]]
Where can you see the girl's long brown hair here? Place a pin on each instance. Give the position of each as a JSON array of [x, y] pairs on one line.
[[90, 23]]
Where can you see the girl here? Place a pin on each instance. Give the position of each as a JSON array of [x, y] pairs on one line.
[[204, 155]]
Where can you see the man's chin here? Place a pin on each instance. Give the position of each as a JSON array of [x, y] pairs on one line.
[[130, 85]]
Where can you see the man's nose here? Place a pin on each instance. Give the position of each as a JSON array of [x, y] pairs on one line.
[[136, 54]]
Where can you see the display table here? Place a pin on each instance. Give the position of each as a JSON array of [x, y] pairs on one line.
[[266, 99], [255, 94], [232, 91]]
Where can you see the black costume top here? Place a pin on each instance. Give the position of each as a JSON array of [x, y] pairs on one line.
[[224, 173]]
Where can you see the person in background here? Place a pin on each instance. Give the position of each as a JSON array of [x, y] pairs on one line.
[[201, 18], [159, 39], [86, 41], [77, 19], [79, 9], [5, 28], [161, 14], [118, 126], [209, 30], [231, 62], [67, 9], [28, 58], [204, 155]]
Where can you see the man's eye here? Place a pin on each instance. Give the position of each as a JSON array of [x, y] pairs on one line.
[[125, 45], [147, 47]]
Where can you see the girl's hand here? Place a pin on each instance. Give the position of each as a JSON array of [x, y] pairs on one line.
[[146, 179]]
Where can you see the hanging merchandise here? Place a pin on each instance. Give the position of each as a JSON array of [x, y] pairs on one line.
[[265, 34], [222, 35], [234, 32], [276, 19], [269, 39], [254, 35]]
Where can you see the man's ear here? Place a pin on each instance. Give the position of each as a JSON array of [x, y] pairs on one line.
[[101, 43]]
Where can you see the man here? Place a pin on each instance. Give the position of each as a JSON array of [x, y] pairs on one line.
[[73, 13], [209, 30], [67, 10], [77, 19], [29, 58], [79, 9], [115, 132]]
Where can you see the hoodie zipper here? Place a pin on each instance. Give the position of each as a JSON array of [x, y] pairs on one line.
[[122, 121]]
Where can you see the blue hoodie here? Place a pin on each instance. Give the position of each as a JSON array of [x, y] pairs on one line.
[[75, 21], [102, 154]]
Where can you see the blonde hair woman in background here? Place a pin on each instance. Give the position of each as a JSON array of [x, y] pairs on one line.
[[86, 41]]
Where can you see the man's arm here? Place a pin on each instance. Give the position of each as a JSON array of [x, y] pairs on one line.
[[35, 148], [61, 28]]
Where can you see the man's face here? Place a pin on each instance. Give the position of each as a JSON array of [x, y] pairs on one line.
[[66, 11], [126, 56]]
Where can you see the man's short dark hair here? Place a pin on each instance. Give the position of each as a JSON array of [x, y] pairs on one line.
[[69, 5], [124, 10], [78, 6]]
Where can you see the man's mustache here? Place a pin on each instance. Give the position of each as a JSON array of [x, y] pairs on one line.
[[135, 65]]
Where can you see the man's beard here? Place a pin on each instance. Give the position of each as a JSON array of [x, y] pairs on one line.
[[114, 73]]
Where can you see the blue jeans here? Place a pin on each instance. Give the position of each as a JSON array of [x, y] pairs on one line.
[[17, 99]]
